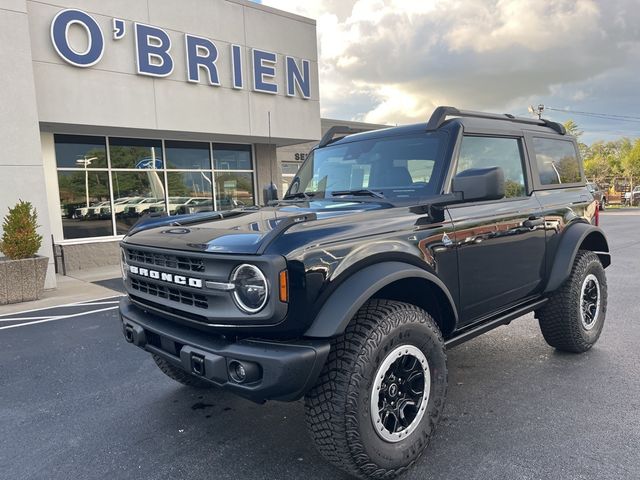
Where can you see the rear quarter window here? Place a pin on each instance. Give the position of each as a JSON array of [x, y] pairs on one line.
[[557, 161]]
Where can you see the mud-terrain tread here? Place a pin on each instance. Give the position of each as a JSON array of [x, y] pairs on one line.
[[331, 412], [179, 375], [559, 318]]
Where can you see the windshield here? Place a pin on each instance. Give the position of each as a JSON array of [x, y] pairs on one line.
[[400, 168]]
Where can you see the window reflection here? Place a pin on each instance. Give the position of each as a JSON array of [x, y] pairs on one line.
[[135, 153], [84, 204], [118, 180], [234, 189], [557, 161], [135, 194], [232, 157], [80, 151], [187, 155], [189, 192]]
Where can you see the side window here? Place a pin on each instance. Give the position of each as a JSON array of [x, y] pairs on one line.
[[483, 152], [557, 161]]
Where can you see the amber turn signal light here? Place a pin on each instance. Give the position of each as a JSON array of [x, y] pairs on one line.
[[284, 286]]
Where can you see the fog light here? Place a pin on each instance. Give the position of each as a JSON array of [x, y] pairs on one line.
[[244, 372], [241, 373]]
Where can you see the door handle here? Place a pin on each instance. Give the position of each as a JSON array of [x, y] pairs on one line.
[[533, 222]]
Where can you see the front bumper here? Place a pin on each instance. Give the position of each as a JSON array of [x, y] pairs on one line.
[[284, 370]]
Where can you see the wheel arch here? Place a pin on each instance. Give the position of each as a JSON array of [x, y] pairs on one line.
[[580, 236], [391, 280]]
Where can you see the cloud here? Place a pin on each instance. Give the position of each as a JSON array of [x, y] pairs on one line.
[[393, 61]]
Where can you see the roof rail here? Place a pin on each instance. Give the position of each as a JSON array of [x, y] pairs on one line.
[[327, 138], [440, 114]]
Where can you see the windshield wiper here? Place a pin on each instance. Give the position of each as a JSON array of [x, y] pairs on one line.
[[358, 192]]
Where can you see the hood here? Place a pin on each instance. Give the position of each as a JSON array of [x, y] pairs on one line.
[[242, 231]]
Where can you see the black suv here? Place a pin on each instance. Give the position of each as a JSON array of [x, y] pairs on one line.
[[389, 248]]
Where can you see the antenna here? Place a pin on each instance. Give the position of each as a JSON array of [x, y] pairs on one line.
[[536, 110], [270, 159]]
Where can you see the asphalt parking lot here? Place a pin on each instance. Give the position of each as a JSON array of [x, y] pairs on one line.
[[77, 402]]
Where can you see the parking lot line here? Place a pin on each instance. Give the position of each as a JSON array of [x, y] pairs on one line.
[[24, 319], [60, 317], [66, 305]]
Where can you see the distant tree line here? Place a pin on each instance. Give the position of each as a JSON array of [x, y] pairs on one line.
[[614, 164]]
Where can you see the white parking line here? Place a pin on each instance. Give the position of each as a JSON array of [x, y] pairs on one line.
[[61, 317], [24, 319], [75, 304], [96, 303]]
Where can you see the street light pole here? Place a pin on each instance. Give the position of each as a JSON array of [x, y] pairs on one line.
[[86, 162]]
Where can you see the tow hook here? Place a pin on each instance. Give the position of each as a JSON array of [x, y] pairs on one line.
[[197, 364]]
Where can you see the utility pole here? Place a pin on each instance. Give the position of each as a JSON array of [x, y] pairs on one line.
[[536, 110]]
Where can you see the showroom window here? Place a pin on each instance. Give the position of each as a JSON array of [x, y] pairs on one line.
[[107, 183], [233, 171]]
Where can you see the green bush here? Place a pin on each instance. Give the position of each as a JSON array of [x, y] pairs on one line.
[[20, 238]]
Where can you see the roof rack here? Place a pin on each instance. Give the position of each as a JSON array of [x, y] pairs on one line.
[[343, 130], [440, 114]]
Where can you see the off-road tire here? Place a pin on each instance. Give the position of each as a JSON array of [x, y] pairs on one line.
[[338, 407], [179, 375], [560, 318]]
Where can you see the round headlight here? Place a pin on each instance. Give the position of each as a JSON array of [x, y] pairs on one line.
[[251, 291]]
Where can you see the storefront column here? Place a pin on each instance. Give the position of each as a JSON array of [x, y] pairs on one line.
[[267, 170], [21, 168]]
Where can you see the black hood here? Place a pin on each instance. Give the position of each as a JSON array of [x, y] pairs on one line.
[[243, 231]]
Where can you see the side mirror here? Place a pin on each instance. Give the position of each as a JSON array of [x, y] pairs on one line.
[[477, 184]]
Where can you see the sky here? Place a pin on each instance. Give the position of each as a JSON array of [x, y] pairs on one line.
[[394, 61]]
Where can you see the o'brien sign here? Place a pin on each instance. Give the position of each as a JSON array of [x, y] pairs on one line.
[[153, 55]]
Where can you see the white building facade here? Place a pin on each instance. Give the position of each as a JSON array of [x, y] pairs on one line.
[[118, 108]]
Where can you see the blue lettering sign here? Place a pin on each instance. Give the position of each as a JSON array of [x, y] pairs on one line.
[[119, 28], [60, 38], [294, 77], [236, 64], [153, 57], [152, 51], [201, 52], [264, 65]]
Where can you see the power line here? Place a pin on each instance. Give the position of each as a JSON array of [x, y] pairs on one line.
[[603, 116]]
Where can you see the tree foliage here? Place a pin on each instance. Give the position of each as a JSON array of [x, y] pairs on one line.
[[20, 238], [606, 160]]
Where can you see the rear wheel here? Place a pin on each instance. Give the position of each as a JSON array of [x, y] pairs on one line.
[[381, 393], [573, 318], [179, 375]]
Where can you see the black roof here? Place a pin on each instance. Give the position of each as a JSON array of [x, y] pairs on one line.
[[470, 121]]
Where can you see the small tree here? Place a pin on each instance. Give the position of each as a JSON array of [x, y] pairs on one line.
[[20, 238]]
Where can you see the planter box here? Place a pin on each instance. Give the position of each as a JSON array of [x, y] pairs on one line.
[[22, 280]]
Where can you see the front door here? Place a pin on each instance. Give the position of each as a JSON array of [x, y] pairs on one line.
[[501, 243]]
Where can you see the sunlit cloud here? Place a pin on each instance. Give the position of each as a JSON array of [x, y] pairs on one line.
[[393, 61]]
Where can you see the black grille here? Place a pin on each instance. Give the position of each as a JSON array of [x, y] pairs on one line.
[[168, 261], [172, 294]]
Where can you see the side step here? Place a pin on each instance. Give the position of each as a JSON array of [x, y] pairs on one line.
[[495, 322]]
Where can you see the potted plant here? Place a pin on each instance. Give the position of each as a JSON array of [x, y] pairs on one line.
[[22, 272]]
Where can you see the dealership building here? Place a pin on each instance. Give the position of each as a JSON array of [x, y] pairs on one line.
[[118, 108]]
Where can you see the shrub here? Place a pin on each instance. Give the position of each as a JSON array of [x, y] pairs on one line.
[[20, 238]]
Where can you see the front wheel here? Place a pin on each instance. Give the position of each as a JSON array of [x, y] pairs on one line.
[[573, 318], [381, 393]]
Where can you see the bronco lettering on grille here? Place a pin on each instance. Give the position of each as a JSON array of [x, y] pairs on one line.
[[166, 277]]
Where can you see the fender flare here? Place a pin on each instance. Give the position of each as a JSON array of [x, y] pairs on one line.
[[346, 300], [572, 239]]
